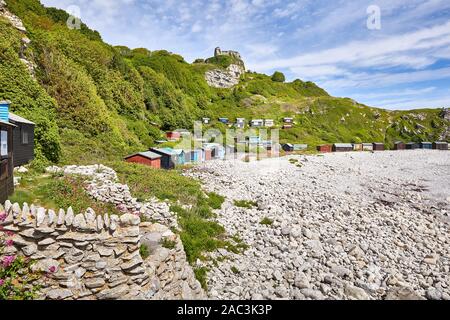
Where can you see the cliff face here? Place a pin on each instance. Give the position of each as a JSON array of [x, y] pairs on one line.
[[230, 76], [446, 116], [17, 23]]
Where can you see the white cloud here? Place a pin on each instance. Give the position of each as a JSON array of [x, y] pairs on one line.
[[355, 52]]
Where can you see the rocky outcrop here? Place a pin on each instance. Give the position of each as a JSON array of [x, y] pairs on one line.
[[17, 23], [90, 256], [228, 78], [445, 114], [225, 79], [103, 185]]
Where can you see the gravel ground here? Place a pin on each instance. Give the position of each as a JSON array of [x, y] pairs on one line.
[[345, 226]]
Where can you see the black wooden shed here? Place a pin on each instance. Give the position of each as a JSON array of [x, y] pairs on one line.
[[23, 140]]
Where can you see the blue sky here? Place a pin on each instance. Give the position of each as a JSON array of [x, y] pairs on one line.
[[403, 65]]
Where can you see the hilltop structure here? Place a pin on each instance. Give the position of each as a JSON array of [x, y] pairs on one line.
[[218, 52]]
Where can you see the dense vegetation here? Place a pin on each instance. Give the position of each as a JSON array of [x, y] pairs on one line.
[[95, 101]]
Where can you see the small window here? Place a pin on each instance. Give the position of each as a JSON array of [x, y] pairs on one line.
[[4, 143], [4, 173], [24, 137]]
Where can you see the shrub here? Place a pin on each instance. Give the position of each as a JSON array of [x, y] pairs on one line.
[[245, 204], [144, 251], [278, 77], [215, 200], [201, 276], [235, 270], [168, 244], [266, 221]]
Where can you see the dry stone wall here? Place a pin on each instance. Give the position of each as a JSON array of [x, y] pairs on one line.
[[90, 256]]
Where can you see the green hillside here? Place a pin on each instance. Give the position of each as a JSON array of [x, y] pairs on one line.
[[92, 101]]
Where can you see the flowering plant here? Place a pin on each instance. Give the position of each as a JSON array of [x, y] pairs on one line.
[[16, 277]]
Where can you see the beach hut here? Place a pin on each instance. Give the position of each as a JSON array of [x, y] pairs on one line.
[[147, 158], [357, 147], [240, 123], [300, 147], [287, 126], [173, 135], [257, 123], [426, 145], [399, 145], [23, 140], [288, 120], [207, 153], [440, 145], [195, 156], [269, 123], [342, 147], [377, 146], [367, 147], [411, 146], [181, 156], [288, 147], [6, 153], [224, 120], [169, 158], [218, 151], [206, 120], [324, 148]]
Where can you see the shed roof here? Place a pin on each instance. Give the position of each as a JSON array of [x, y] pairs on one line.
[[378, 143], [343, 145], [5, 102], [147, 154], [289, 145], [16, 118], [426, 142], [166, 151], [7, 123], [441, 142]]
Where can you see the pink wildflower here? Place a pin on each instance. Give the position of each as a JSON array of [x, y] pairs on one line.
[[2, 282], [9, 242], [52, 269], [9, 233], [2, 216], [8, 260]]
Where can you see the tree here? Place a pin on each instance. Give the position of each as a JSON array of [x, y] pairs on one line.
[[278, 77]]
